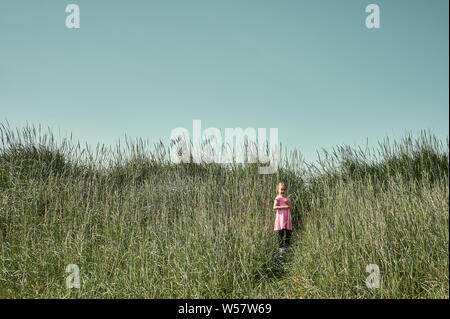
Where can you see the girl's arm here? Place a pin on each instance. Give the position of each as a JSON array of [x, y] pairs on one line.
[[276, 207], [289, 204]]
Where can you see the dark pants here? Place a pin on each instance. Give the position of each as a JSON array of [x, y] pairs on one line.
[[282, 240]]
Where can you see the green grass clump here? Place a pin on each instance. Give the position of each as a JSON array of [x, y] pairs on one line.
[[140, 227]]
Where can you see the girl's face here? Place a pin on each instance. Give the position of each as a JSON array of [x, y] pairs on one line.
[[282, 190]]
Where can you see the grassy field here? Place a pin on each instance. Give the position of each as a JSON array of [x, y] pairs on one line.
[[138, 227]]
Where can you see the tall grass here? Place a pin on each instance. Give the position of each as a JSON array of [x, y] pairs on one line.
[[387, 207], [139, 227]]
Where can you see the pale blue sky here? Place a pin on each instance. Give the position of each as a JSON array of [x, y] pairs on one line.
[[310, 68]]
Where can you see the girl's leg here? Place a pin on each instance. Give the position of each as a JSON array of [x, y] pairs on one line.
[[280, 237], [288, 237]]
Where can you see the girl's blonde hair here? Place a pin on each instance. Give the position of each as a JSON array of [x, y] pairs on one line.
[[281, 184]]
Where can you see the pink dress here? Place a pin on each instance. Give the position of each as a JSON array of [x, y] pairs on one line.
[[283, 217]]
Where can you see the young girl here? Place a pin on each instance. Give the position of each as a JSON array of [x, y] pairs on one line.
[[283, 222]]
